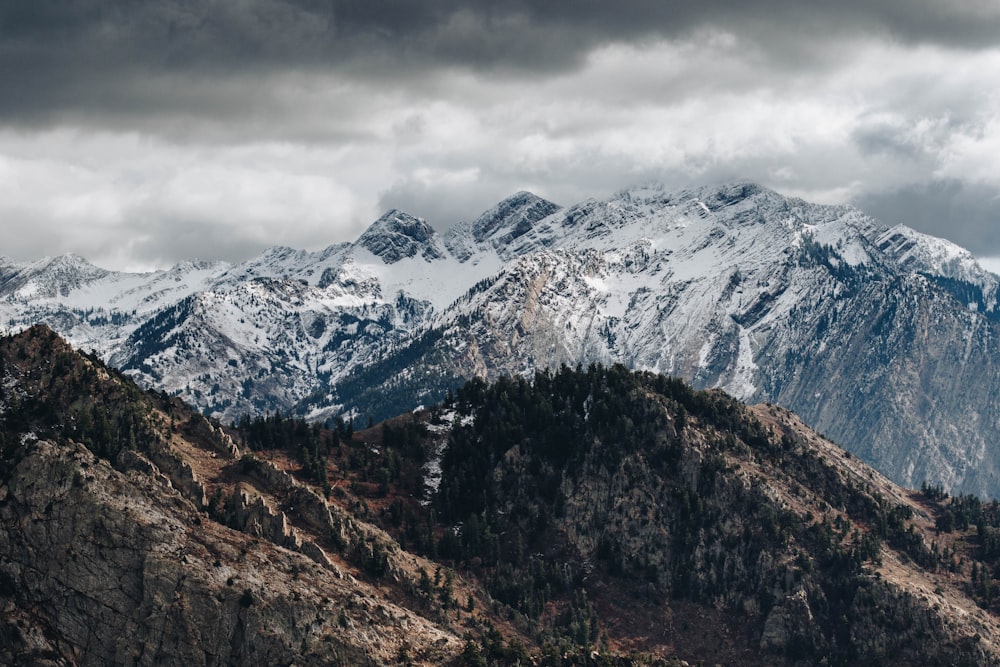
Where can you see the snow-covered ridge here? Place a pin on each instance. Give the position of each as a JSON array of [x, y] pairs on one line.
[[733, 286], [398, 235], [656, 239], [316, 314], [915, 251]]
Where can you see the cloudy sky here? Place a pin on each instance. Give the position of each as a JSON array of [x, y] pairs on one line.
[[140, 133]]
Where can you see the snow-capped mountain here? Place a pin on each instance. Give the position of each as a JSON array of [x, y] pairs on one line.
[[945, 262], [885, 339]]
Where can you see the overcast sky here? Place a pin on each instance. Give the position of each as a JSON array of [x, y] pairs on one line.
[[141, 133]]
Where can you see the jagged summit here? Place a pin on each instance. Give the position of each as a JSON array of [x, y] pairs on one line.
[[398, 235], [68, 264], [511, 218], [717, 195], [735, 191], [498, 227], [51, 277], [915, 251]]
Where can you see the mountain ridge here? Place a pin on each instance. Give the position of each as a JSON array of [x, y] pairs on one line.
[[642, 521], [733, 286]]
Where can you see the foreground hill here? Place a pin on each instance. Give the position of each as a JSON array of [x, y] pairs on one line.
[[109, 553], [589, 516]]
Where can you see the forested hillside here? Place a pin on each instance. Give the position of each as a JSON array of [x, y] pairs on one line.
[[587, 516]]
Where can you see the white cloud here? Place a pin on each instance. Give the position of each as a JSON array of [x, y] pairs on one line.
[[164, 202], [971, 154]]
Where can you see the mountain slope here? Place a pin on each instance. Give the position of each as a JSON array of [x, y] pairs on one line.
[[885, 339], [109, 553], [651, 496], [595, 515]]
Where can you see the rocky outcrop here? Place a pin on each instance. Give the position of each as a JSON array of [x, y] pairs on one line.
[[397, 236], [251, 514], [181, 474], [791, 628], [104, 567], [330, 524]]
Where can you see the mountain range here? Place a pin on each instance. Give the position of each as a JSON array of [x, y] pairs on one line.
[[884, 339]]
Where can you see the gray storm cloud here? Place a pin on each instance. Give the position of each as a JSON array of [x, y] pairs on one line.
[[96, 56]]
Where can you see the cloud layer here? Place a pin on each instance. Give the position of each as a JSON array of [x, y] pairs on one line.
[[147, 132]]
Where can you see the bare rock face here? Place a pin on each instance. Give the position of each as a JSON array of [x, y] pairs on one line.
[[103, 567], [397, 235], [789, 623], [111, 552], [253, 516]]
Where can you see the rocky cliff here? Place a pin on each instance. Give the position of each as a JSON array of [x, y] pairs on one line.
[[115, 559]]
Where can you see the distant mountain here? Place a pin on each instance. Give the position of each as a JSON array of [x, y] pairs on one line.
[[884, 339], [397, 235], [585, 517]]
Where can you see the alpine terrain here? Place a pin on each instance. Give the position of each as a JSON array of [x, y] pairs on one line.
[[583, 517], [883, 339]]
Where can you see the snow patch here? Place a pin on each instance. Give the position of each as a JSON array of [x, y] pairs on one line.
[[742, 386]]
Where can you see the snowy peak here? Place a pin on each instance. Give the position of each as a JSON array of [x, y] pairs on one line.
[[50, 277], [938, 258], [495, 229], [742, 204], [732, 194], [727, 218], [68, 266], [511, 218], [273, 262], [915, 251], [709, 198], [398, 235]]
